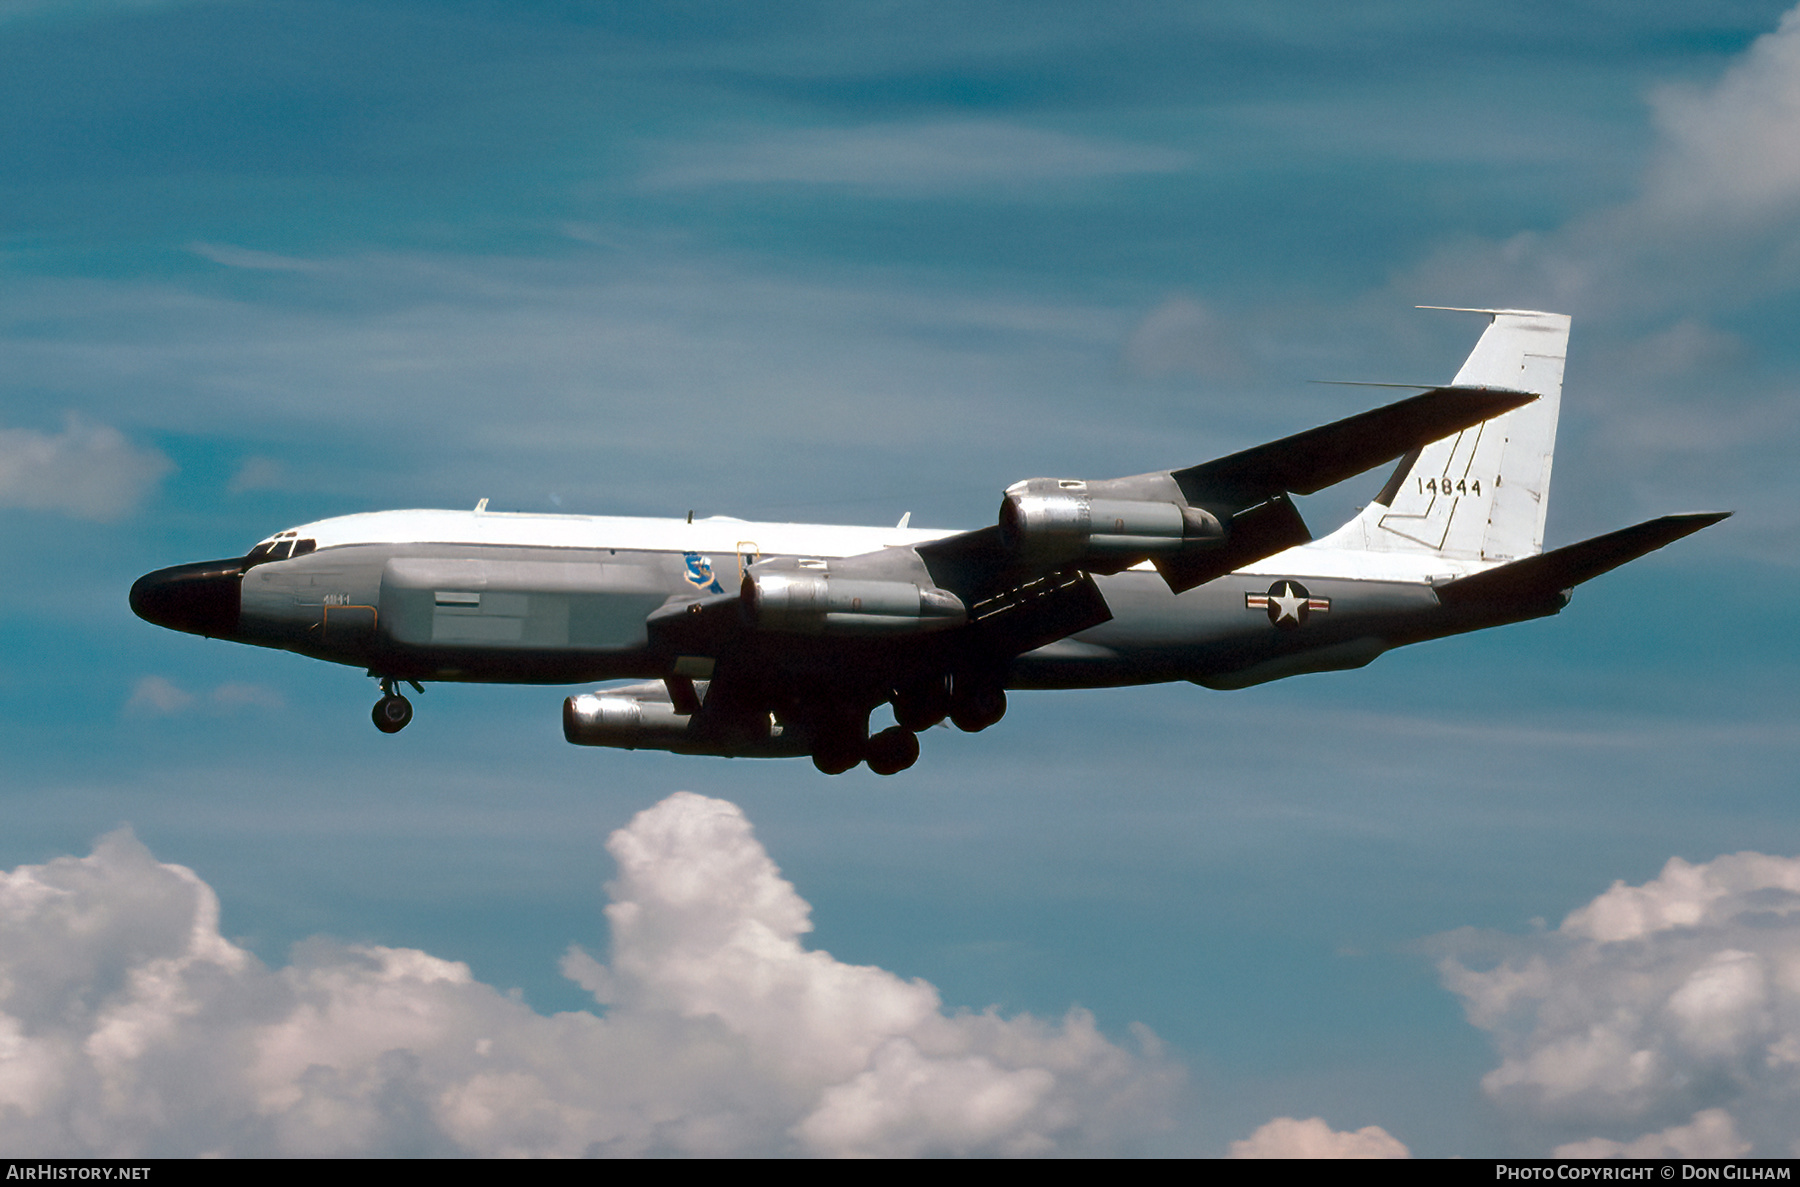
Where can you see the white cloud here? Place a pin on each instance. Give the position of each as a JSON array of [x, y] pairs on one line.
[[603, 372], [237, 694], [88, 470], [156, 696], [1728, 151], [259, 473], [1711, 1134], [1715, 220], [1184, 337], [245, 257], [1682, 413], [909, 157], [130, 1027], [1286, 1137], [1673, 999]]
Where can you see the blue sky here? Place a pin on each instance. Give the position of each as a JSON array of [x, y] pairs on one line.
[[264, 263]]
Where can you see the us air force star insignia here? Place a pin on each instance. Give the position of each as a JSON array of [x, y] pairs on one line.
[[1287, 603]]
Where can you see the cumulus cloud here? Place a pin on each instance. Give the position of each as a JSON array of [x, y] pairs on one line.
[[88, 470], [1672, 1004], [1286, 1137], [1709, 235], [1711, 1134], [1716, 217], [1728, 150], [129, 1026]]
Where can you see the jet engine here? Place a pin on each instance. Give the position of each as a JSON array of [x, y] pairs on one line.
[[627, 722], [804, 603], [1065, 524], [641, 717]]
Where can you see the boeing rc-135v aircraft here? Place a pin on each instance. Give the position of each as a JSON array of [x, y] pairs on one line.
[[773, 639]]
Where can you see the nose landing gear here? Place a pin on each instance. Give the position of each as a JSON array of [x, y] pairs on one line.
[[393, 711]]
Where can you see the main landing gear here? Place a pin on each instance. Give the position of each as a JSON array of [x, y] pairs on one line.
[[841, 737], [887, 753], [892, 751], [393, 711], [971, 702]]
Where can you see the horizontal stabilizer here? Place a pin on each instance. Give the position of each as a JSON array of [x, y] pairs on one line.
[[1552, 572], [1325, 456]]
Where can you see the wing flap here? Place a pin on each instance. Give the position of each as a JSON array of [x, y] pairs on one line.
[[1260, 531], [1040, 611]]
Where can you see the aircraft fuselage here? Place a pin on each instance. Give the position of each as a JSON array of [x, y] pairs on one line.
[[563, 599]]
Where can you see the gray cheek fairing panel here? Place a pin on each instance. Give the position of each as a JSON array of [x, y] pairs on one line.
[[456, 612], [519, 603]]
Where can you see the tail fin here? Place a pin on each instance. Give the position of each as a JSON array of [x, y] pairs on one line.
[[1481, 494]]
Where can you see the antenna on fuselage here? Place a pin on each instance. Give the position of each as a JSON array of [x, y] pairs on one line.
[[480, 507]]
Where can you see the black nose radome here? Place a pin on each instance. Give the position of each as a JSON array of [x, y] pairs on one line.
[[201, 598]]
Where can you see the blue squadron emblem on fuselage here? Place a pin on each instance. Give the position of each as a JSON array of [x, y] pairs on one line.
[[700, 572], [1287, 604]]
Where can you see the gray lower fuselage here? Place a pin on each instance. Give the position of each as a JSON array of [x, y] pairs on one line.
[[540, 615]]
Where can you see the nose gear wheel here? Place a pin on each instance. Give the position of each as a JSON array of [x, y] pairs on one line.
[[393, 711]]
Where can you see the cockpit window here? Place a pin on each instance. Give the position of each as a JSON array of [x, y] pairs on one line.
[[279, 548]]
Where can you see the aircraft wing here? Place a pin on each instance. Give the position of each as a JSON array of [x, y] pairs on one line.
[[978, 599], [1203, 521], [1308, 462]]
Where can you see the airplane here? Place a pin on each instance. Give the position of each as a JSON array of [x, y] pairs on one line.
[[780, 640]]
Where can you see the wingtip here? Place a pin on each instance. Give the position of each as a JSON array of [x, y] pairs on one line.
[[1499, 399], [1493, 312], [1701, 519]]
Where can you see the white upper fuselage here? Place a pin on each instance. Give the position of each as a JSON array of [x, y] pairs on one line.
[[723, 536], [716, 534]]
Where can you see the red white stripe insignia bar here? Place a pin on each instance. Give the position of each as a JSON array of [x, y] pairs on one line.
[[1288, 604]]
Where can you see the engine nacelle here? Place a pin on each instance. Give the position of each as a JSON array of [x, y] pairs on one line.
[[627, 722], [1057, 526], [820, 604], [624, 721]]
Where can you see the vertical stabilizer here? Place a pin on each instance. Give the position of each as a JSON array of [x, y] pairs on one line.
[[1480, 495]]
